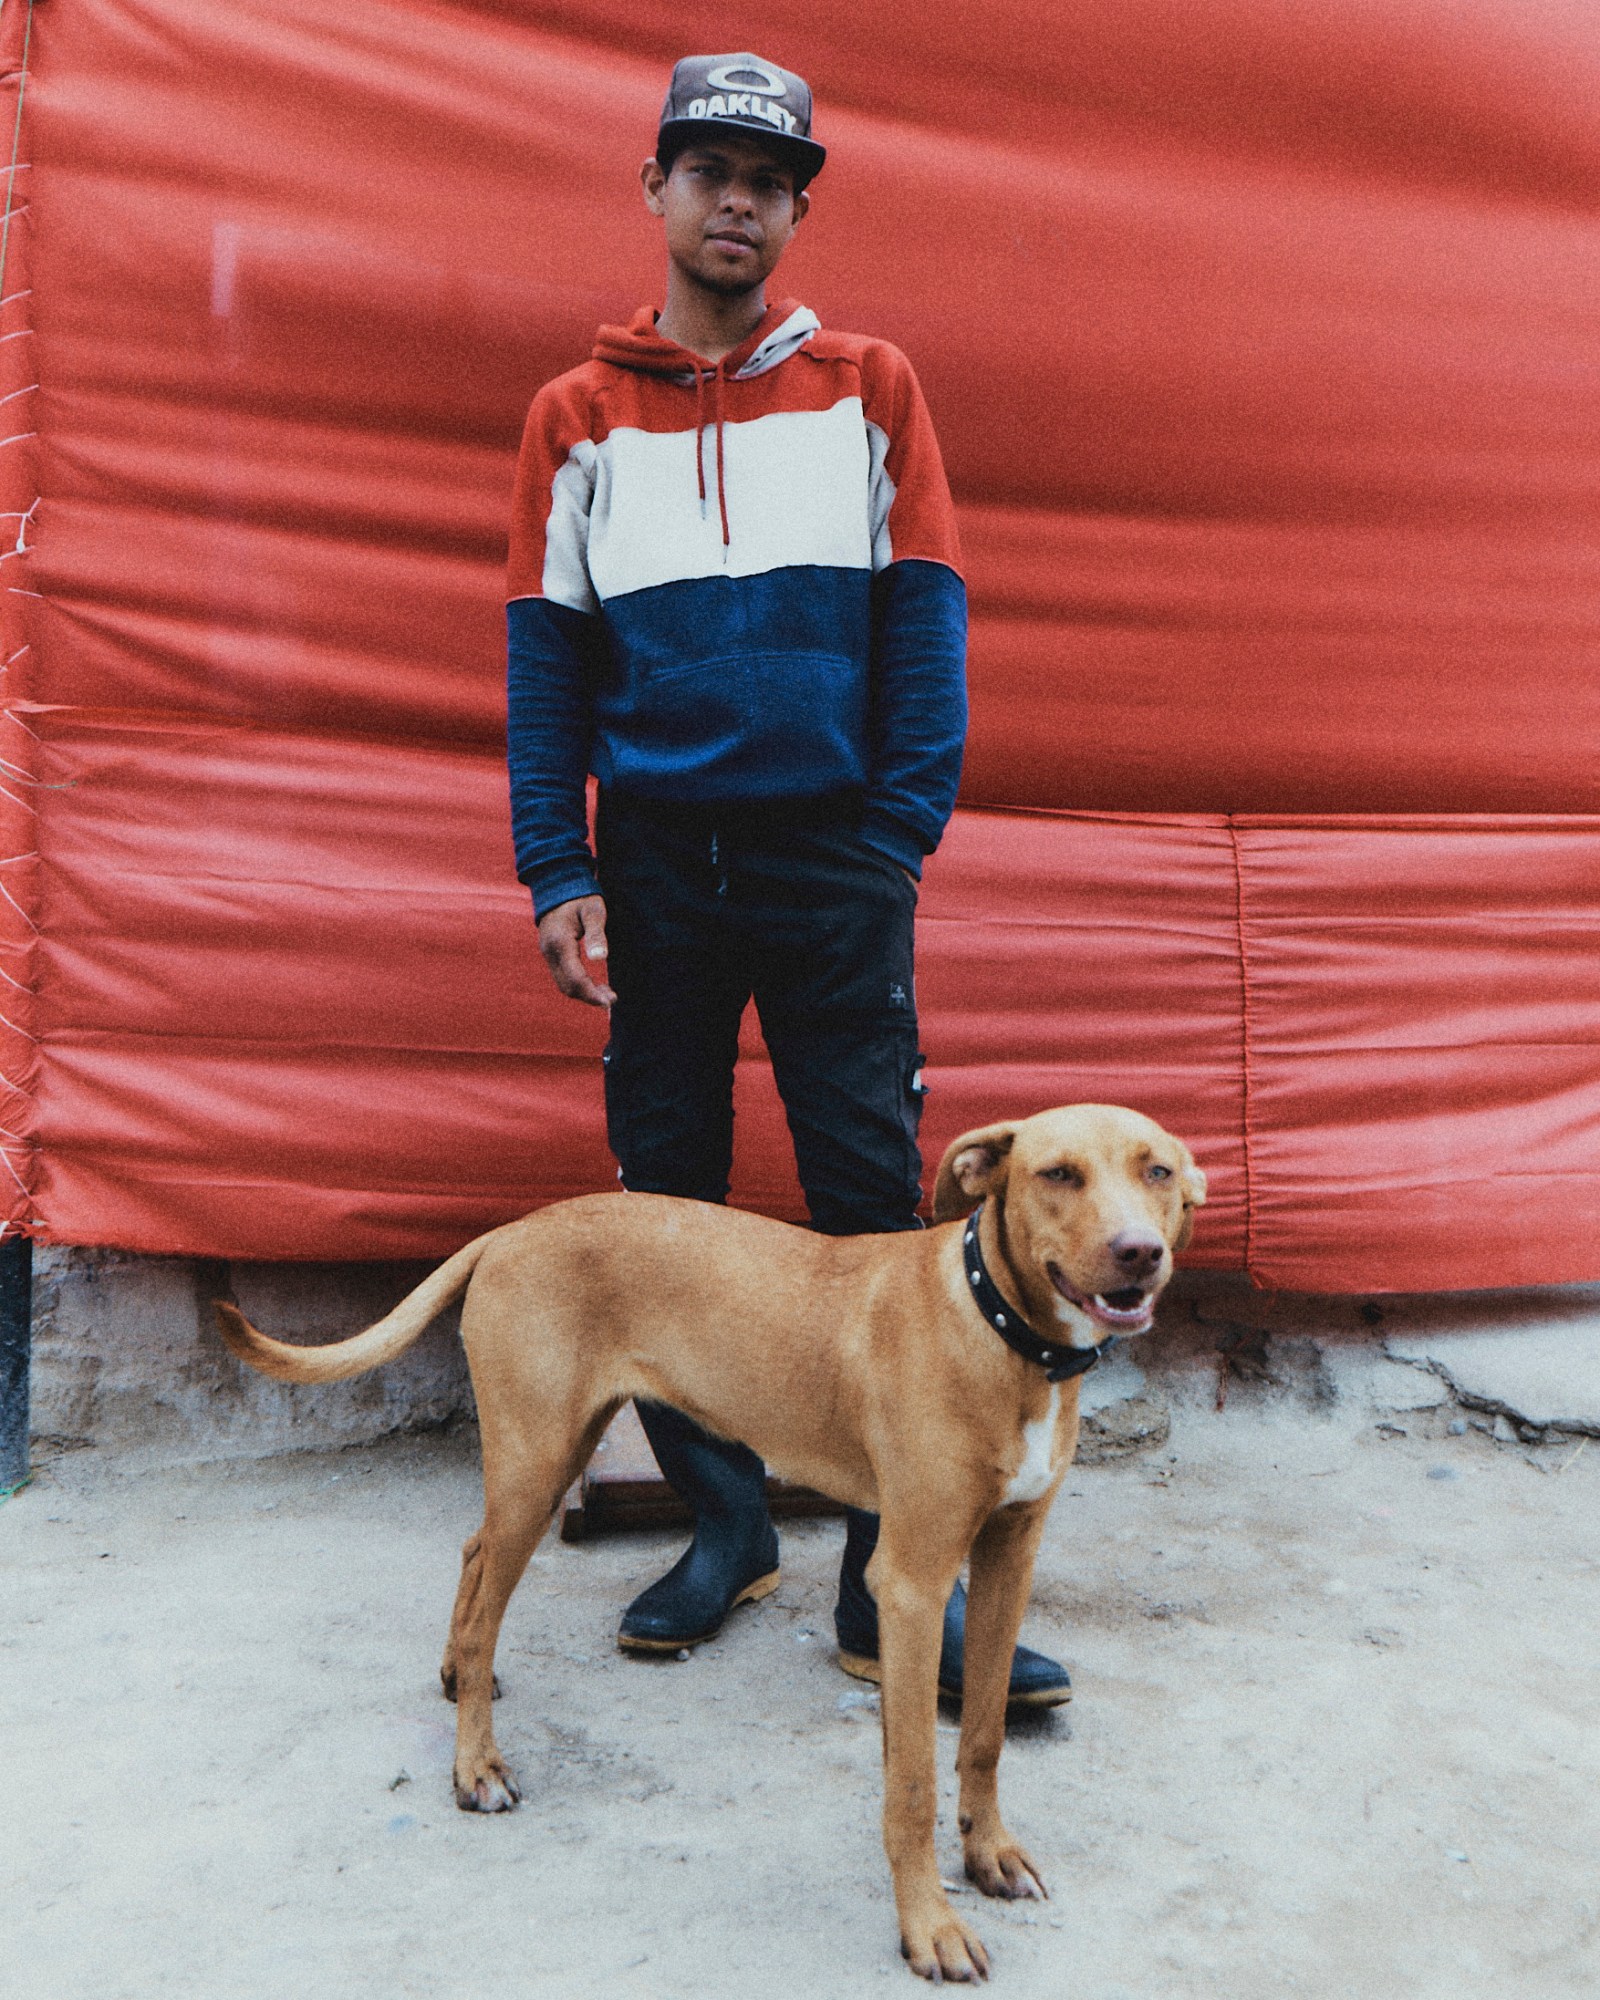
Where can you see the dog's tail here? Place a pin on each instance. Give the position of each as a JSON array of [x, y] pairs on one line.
[[392, 1335]]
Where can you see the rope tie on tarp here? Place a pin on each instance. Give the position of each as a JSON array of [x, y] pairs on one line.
[[13, 1141], [16, 147]]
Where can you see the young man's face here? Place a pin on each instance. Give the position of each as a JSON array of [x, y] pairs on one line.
[[730, 210]]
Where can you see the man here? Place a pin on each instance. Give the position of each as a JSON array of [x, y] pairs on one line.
[[734, 598]]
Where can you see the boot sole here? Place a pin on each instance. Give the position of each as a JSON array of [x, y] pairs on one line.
[[865, 1669], [752, 1593]]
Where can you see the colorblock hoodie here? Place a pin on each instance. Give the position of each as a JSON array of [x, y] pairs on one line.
[[733, 584]]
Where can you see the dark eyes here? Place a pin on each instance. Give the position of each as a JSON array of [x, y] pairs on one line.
[[708, 170]]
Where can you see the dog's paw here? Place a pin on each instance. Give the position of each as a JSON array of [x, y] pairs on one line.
[[944, 1949], [1002, 1868], [487, 1788]]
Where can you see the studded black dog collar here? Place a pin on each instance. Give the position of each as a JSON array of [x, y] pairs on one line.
[[1058, 1363]]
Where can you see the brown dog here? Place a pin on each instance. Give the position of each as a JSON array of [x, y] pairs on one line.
[[879, 1369]]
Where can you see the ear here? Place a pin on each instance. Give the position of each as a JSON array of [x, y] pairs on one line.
[[974, 1164], [1193, 1184]]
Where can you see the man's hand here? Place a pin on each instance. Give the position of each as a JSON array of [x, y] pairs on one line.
[[572, 937]]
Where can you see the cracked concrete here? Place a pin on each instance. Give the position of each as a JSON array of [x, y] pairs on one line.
[[1530, 1356]]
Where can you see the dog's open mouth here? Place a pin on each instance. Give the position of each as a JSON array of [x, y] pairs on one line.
[[1127, 1310]]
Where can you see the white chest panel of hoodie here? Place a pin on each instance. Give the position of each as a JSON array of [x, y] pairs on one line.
[[796, 483]]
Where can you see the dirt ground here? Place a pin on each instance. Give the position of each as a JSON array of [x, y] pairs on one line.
[[1334, 1734]]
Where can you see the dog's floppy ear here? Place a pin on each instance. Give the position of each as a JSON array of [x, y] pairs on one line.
[[1193, 1183], [974, 1164]]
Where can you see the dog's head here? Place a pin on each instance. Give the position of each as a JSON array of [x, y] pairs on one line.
[[1090, 1203]]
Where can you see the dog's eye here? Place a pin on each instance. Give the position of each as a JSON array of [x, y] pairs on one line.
[[1067, 1176], [1158, 1172]]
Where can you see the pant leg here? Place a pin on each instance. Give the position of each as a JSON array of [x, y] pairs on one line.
[[669, 1117], [680, 994], [831, 940]]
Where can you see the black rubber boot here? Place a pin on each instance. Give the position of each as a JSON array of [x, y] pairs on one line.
[[1036, 1682], [733, 1558]]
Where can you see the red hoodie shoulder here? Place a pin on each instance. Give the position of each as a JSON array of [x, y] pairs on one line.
[[921, 521], [570, 395], [879, 362], [568, 410], [564, 419], [829, 344]]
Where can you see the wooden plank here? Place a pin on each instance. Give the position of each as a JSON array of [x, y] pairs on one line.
[[622, 1487]]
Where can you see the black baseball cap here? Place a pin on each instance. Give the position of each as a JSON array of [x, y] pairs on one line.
[[740, 93]]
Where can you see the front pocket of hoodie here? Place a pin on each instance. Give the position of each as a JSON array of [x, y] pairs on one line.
[[757, 724]]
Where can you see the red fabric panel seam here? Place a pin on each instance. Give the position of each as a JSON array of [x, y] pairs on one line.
[[1244, 1051]]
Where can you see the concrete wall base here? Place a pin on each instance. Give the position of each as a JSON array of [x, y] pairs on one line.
[[1529, 1360], [126, 1357]]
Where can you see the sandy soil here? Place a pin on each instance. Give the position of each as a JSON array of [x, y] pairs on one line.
[[1334, 1734]]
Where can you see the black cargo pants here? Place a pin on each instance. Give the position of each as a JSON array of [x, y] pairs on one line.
[[707, 907]]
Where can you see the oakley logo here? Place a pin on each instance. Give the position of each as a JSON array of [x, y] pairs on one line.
[[736, 76], [742, 104]]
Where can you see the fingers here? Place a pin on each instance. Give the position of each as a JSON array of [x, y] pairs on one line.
[[572, 937], [592, 916]]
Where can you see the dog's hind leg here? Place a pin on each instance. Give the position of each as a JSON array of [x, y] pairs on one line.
[[1002, 1573], [513, 1522], [471, 1571], [523, 1486]]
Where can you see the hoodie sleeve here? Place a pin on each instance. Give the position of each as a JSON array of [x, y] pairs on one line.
[[919, 621], [553, 633]]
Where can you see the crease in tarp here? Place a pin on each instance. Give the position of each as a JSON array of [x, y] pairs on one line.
[[1246, 1094]]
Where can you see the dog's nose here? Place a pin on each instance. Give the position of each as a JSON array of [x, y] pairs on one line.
[[1137, 1251]]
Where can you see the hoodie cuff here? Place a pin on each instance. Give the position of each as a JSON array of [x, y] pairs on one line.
[[560, 882], [886, 835]]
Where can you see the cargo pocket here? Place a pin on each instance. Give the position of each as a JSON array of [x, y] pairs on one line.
[[915, 1096]]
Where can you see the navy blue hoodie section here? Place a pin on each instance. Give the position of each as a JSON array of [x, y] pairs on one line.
[[792, 684]]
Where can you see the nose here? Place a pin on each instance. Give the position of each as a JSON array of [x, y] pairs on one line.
[[1137, 1252]]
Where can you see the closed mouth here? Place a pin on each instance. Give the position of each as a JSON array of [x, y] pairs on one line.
[[1129, 1309]]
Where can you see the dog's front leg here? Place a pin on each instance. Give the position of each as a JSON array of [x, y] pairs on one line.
[[911, 1605], [1001, 1576]]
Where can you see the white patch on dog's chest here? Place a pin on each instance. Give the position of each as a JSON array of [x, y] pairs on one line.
[[1031, 1480]]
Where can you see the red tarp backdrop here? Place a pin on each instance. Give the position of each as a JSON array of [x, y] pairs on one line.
[[1264, 344]]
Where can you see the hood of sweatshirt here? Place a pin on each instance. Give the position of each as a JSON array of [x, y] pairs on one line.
[[783, 330]]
